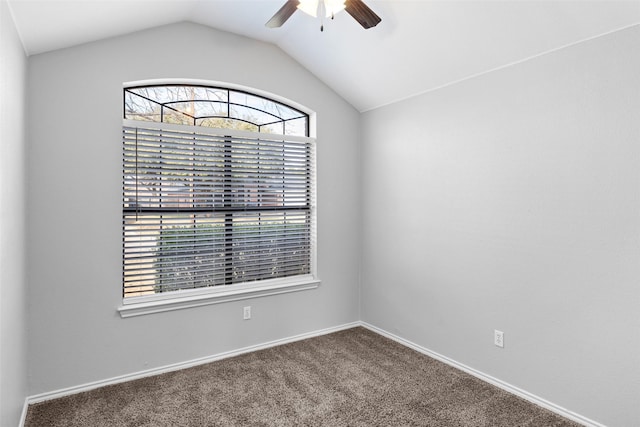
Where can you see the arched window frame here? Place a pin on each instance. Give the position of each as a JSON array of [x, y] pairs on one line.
[[229, 100], [231, 140]]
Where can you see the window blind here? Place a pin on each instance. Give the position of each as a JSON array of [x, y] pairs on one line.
[[209, 207]]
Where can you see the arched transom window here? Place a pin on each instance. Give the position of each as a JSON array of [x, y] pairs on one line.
[[213, 107]]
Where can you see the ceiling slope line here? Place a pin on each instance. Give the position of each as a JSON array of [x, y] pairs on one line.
[[12, 16], [510, 64]]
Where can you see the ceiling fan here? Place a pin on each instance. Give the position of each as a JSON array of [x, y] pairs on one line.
[[326, 8]]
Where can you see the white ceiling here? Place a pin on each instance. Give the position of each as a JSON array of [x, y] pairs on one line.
[[419, 45]]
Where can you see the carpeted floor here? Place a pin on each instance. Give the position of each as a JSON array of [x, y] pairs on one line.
[[348, 378]]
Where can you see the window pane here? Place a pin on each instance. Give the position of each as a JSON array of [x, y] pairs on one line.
[[139, 108], [275, 128], [200, 108], [276, 109], [296, 127], [282, 238], [171, 252], [165, 253], [251, 115], [176, 117]]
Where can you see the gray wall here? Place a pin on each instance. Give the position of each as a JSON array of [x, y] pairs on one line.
[[74, 245], [13, 320], [511, 201]]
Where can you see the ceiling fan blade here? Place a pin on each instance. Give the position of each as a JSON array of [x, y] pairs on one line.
[[362, 13], [283, 14]]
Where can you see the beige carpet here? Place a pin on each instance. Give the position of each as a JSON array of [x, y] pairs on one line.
[[349, 378]]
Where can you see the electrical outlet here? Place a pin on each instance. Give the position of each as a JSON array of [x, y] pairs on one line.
[[247, 313], [498, 338]]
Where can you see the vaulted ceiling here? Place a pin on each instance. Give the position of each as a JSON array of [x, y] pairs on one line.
[[419, 45]]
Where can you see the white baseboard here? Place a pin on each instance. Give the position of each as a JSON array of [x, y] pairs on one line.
[[200, 361], [174, 367], [23, 416], [488, 378]]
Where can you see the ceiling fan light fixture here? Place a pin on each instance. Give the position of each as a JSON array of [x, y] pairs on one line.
[[325, 9], [328, 8]]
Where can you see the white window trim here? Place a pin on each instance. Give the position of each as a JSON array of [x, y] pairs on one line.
[[149, 304]]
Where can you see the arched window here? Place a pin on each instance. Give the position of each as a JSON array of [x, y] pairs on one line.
[[218, 194], [213, 107]]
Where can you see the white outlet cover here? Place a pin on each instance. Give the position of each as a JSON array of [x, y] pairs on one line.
[[498, 338]]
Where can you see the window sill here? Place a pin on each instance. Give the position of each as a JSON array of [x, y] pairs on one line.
[[139, 306]]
